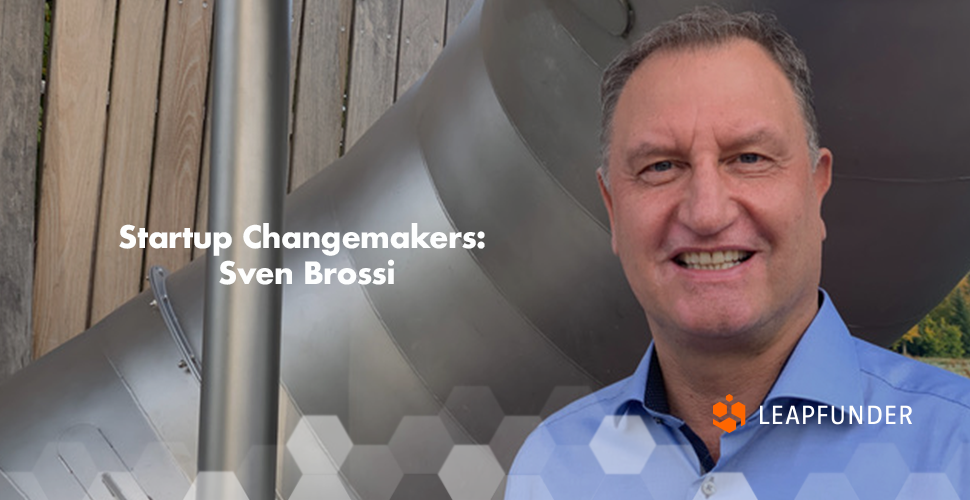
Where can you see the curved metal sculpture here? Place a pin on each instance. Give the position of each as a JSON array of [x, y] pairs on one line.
[[501, 137]]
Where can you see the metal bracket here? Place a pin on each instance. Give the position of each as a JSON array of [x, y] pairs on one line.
[[156, 280]]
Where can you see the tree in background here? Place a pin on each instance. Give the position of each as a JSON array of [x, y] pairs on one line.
[[945, 331], [960, 310]]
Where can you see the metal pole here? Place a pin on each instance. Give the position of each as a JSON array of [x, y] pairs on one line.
[[241, 347]]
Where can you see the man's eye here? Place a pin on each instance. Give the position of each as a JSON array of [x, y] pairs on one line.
[[661, 172], [750, 158]]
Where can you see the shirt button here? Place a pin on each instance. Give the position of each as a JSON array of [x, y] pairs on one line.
[[657, 420], [708, 487]]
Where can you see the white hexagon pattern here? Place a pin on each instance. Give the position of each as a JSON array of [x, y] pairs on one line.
[[622, 444], [828, 485], [221, 485], [317, 487], [319, 444], [920, 486], [471, 472]]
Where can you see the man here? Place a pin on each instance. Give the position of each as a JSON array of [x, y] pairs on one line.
[[713, 179]]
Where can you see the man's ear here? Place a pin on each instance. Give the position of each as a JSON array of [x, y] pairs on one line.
[[608, 201], [822, 178]]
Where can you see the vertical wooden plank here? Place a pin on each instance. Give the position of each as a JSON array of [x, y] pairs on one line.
[[422, 37], [128, 159], [320, 87], [373, 64], [202, 203], [71, 172], [296, 25], [457, 10], [21, 52], [181, 114]]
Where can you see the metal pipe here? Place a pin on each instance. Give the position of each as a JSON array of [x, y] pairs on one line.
[[241, 347]]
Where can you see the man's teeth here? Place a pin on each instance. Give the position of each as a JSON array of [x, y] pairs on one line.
[[713, 261]]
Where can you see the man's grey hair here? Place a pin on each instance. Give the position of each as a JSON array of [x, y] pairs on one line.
[[710, 27]]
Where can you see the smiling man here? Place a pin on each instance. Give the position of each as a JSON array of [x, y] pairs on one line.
[[714, 180]]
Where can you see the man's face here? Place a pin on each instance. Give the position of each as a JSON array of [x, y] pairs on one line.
[[714, 206]]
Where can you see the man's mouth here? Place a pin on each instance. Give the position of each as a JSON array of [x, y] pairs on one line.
[[712, 261]]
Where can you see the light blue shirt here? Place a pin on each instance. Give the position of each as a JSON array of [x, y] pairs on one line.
[[622, 443]]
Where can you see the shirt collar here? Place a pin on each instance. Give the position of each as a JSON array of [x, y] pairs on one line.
[[823, 368], [646, 387]]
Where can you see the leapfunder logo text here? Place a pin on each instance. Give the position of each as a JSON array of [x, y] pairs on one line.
[[729, 415]]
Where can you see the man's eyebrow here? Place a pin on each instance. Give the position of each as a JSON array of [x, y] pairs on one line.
[[757, 136], [645, 149]]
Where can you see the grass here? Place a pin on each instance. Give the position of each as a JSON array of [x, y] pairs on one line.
[[958, 366]]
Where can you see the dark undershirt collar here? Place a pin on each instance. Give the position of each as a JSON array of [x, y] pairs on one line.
[[655, 399]]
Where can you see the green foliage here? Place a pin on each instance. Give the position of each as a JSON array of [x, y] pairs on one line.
[[945, 331], [940, 339], [960, 315]]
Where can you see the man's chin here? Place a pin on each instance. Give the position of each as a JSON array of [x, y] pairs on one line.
[[719, 329], [718, 323]]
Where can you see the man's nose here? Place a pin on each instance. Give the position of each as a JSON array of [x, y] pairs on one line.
[[707, 207]]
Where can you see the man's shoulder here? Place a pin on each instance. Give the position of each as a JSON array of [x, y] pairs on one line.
[[573, 425], [909, 378], [595, 405]]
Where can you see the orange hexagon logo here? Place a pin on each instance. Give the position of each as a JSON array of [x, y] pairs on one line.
[[732, 421]]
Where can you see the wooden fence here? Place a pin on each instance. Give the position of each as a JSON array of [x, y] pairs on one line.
[[126, 136], [21, 44]]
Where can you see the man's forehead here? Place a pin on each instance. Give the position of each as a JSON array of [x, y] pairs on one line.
[[726, 48], [735, 84], [737, 61]]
